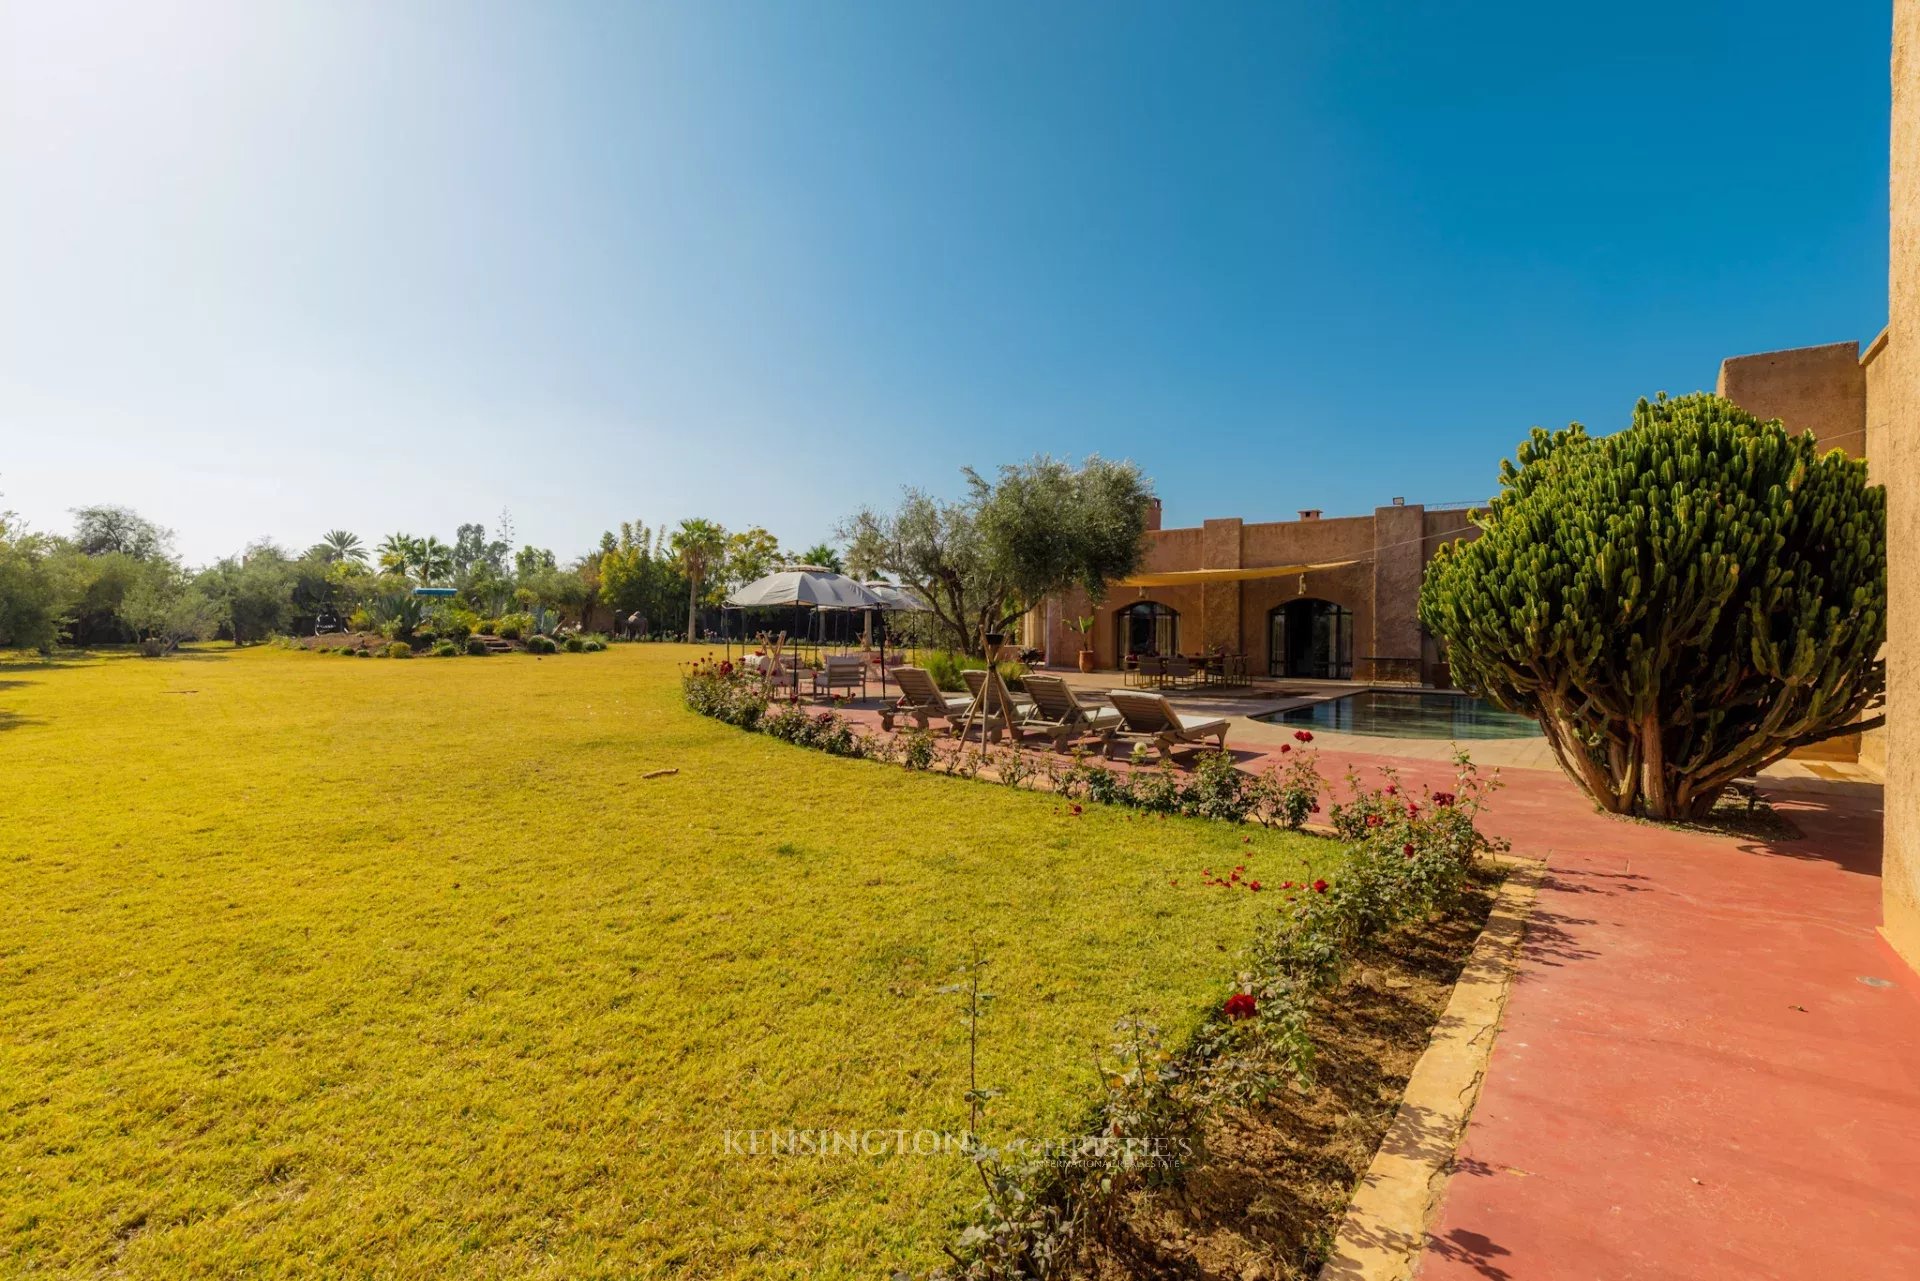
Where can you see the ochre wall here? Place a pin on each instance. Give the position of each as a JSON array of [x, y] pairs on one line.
[[1900, 869], [1818, 389]]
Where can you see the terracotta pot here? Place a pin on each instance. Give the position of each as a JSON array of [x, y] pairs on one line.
[[1086, 660]]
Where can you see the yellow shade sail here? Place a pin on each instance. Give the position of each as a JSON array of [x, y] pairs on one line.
[[1203, 577]]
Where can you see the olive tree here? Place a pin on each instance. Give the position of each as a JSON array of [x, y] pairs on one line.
[[1040, 527], [1678, 605]]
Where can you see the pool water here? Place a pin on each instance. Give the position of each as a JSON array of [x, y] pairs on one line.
[[1409, 714]]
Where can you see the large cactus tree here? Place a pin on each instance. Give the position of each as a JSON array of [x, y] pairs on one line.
[[1678, 604]]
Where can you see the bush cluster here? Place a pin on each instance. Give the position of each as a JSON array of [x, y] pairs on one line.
[[537, 644]]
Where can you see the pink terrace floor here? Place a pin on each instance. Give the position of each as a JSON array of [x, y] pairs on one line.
[[1710, 1062]]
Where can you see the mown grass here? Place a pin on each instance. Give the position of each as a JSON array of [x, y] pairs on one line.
[[322, 966]]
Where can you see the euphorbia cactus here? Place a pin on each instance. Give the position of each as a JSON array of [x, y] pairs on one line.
[[1678, 605]]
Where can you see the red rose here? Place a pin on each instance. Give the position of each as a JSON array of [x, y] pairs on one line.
[[1076, 809], [1254, 886], [1407, 849], [1285, 748], [1319, 887], [1373, 820], [1413, 811], [1443, 798], [1392, 790], [1302, 736], [1241, 1005]]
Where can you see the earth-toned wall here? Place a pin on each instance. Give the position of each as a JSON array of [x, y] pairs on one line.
[[1900, 874], [1818, 389], [1388, 552]]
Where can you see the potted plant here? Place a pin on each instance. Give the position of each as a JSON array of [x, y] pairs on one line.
[[1085, 627]]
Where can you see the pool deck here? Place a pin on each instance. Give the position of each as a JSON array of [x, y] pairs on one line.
[[1264, 697]]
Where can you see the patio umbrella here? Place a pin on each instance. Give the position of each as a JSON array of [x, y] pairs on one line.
[[802, 587], [893, 600]]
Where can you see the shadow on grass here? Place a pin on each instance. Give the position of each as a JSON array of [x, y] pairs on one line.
[[13, 720]]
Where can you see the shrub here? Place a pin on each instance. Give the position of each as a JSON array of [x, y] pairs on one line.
[[717, 690], [1678, 605], [919, 750], [363, 653], [447, 649], [945, 668], [399, 650], [1288, 794], [360, 621], [1217, 789], [575, 645], [513, 626], [593, 645], [488, 626], [477, 647], [456, 624], [541, 645]]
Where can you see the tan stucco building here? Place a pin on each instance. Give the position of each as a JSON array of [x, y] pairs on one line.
[[1318, 597]]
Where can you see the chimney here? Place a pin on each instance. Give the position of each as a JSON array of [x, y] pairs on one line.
[[1309, 513], [1153, 514]]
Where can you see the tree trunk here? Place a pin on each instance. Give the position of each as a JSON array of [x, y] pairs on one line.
[[693, 601]]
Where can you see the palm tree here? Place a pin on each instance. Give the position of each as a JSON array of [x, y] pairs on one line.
[[698, 545], [399, 552], [825, 556], [433, 560], [338, 545]]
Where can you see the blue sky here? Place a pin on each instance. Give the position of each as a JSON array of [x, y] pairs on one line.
[[268, 269]]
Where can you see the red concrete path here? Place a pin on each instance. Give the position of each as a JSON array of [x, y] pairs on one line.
[[1691, 1079]]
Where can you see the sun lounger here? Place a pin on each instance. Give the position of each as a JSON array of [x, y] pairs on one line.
[[976, 680], [1061, 716], [1150, 716], [994, 707], [923, 700]]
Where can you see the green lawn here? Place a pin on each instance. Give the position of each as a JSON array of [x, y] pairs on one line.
[[321, 966]]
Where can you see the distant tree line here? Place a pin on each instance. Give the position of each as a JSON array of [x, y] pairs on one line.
[[115, 579]]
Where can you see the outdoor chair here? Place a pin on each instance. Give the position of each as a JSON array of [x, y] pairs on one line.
[[1178, 671], [1062, 717], [924, 701], [848, 671], [1153, 670], [1151, 716]]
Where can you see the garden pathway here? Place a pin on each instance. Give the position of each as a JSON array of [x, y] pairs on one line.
[[1710, 1062]]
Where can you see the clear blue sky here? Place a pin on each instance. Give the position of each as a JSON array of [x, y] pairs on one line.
[[274, 268]]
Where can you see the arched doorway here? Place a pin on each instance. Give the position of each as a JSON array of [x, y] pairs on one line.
[[1310, 638], [1147, 627]]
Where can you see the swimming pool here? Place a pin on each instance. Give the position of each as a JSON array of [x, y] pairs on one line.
[[1392, 713]]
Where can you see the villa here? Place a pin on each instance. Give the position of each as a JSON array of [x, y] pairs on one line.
[[1315, 598]]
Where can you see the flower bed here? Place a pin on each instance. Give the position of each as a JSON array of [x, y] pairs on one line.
[[1281, 796]]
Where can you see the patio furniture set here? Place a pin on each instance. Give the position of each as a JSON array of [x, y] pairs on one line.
[[1178, 671]]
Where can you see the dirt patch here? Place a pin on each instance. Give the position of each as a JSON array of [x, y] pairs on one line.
[[343, 640], [1266, 1200]]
